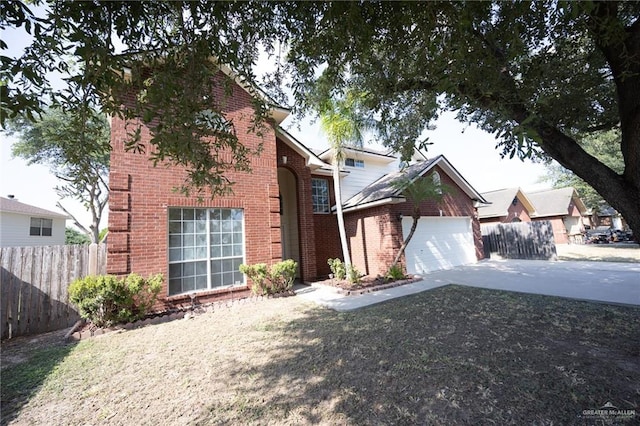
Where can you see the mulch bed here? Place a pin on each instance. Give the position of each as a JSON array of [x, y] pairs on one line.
[[367, 284]]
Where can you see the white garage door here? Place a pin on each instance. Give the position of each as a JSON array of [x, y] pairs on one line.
[[439, 243]]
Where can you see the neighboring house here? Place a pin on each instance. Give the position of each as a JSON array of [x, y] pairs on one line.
[[564, 209], [282, 210], [506, 205], [25, 225], [610, 217]]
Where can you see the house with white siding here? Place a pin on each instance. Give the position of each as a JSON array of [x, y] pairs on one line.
[[26, 225]]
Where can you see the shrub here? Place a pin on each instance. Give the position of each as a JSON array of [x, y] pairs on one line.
[[278, 279], [337, 268], [106, 299], [395, 273], [353, 275]]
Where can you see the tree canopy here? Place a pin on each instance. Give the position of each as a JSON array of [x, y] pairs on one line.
[[536, 74], [75, 146]]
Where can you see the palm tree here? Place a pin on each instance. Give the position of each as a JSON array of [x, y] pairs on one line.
[[345, 127]]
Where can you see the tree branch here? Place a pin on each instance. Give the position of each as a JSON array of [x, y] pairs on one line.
[[75, 221]]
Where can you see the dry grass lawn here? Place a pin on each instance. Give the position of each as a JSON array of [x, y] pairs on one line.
[[620, 252], [453, 355]]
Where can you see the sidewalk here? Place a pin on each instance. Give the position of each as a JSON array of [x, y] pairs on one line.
[[607, 282]]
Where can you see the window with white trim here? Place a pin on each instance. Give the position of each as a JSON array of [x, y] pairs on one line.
[[40, 227], [206, 249], [320, 195], [352, 162]]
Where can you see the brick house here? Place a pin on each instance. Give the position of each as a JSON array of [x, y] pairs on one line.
[[506, 205], [562, 207], [282, 210]]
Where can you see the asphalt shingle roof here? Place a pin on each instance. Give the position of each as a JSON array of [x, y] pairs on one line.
[[11, 205], [385, 187], [500, 201], [553, 202]]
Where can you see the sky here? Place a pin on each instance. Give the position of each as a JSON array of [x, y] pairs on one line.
[[471, 151]]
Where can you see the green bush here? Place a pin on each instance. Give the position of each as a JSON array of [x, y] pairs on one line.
[[337, 268], [395, 273], [278, 279], [106, 299], [353, 275]]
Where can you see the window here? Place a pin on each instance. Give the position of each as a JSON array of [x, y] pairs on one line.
[[351, 162], [437, 182], [320, 195], [40, 227], [206, 248]]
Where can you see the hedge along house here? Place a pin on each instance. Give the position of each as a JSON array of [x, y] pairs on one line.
[[282, 210]]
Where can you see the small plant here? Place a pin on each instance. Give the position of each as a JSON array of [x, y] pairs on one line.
[[338, 268], [353, 275], [106, 299], [258, 274], [395, 273], [278, 279]]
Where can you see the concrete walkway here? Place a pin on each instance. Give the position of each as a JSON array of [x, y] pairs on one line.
[[594, 281]]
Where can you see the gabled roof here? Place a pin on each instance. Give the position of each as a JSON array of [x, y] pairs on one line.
[[276, 111], [11, 205], [313, 162], [387, 155], [500, 201], [555, 202], [385, 191]]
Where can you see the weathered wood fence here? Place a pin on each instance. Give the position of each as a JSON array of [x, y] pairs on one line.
[[521, 240], [34, 285]]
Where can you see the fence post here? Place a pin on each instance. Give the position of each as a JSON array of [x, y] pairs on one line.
[[93, 259]]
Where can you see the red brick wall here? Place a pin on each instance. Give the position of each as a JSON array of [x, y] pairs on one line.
[[306, 232], [327, 243], [455, 203], [375, 236], [376, 233], [141, 195]]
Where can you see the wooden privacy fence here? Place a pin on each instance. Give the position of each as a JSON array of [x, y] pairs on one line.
[[34, 285], [520, 240]]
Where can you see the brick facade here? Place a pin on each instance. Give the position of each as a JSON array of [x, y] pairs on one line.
[[306, 226], [375, 234], [141, 195]]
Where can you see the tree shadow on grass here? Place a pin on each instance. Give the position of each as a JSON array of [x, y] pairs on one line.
[[453, 355], [26, 364]]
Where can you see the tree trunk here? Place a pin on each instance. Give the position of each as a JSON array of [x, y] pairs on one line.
[[416, 216], [341, 228]]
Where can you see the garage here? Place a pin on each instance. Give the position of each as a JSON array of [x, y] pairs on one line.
[[439, 243]]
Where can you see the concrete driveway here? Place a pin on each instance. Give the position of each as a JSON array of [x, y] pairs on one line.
[[595, 281]]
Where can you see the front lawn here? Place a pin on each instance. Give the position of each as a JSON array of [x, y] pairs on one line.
[[453, 355]]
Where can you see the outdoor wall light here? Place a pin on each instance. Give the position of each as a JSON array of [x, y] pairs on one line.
[[284, 159], [399, 217]]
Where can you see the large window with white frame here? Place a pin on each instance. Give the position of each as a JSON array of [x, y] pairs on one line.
[[206, 248], [320, 195]]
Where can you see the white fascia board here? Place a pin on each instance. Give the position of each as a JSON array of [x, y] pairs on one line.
[[382, 202], [313, 162]]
